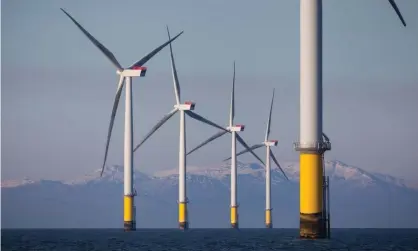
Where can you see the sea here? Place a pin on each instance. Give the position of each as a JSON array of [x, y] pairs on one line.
[[206, 239]]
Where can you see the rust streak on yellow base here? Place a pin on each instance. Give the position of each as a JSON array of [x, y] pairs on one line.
[[311, 226]]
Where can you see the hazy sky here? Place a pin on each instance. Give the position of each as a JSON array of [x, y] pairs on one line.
[[58, 89]]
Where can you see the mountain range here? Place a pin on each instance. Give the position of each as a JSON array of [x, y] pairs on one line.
[[359, 199]]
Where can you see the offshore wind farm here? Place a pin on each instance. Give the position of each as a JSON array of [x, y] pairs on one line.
[[310, 144], [209, 181]]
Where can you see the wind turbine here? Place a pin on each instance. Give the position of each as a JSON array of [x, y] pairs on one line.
[[135, 70], [269, 154], [311, 145], [233, 129]]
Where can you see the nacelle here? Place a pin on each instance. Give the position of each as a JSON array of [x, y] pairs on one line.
[[187, 106], [236, 128], [271, 142], [137, 71]]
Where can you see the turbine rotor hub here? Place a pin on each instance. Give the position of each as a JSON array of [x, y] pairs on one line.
[[136, 71], [186, 106], [272, 142], [236, 128]]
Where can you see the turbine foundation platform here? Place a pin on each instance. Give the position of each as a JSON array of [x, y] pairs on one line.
[[183, 225], [129, 226], [311, 226]]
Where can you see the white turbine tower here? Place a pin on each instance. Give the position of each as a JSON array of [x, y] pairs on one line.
[[126, 74], [269, 154], [311, 145], [233, 129]]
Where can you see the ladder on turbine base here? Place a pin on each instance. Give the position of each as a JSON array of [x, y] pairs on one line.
[[325, 192], [134, 209], [326, 208]]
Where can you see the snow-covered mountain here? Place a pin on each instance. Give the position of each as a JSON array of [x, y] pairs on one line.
[[359, 198], [337, 170]]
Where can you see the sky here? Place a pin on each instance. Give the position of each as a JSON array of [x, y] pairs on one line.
[[57, 89]]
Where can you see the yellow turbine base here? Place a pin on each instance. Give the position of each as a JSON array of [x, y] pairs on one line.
[[269, 222], [310, 183], [183, 224], [311, 193], [128, 204], [128, 213], [234, 217]]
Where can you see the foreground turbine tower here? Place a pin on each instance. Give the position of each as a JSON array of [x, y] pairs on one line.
[[183, 108], [126, 74], [233, 129], [269, 154], [311, 145]]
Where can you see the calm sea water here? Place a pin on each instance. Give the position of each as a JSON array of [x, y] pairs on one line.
[[207, 239]]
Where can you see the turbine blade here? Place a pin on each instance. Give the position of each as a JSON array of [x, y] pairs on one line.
[[246, 150], [204, 120], [152, 53], [156, 127], [395, 7], [212, 138], [112, 119], [174, 71], [232, 108], [269, 120], [100, 46], [277, 163], [240, 140]]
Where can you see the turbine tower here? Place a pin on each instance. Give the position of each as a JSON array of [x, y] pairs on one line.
[[311, 145], [233, 129], [135, 70], [269, 154]]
